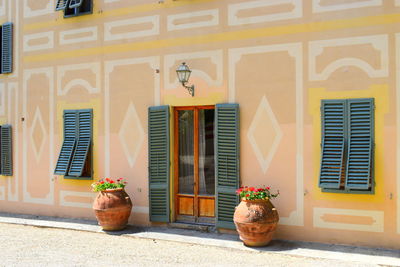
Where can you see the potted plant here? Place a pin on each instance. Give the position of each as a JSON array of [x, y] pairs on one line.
[[112, 205], [255, 217]]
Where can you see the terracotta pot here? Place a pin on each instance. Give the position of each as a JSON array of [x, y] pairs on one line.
[[255, 221], [112, 208]]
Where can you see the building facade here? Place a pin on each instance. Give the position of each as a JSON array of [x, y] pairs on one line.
[[302, 96]]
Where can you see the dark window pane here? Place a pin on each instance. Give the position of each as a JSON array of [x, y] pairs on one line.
[[206, 152], [186, 152]]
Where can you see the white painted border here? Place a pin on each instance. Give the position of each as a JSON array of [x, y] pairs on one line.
[[108, 26], [398, 128], [29, 37], [65, 203], [214, 13], [264, 162], [28, 13], [2, 193], [3, 99], [397, 2], [3, 8], [140, 209], [13, 89], [377, 226], [295, 50], [49, 199], [233, 9], [379, 42], [109, 66], [317, 7], [64, 34], [172, 61], [62, 70]]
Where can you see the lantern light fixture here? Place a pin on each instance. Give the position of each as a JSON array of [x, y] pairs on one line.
[[183, 73]]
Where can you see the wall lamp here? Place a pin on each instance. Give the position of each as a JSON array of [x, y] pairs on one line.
[[183, 73]]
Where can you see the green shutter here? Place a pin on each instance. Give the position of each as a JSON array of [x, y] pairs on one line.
[[68, 146], [6, 150], [159, 163], [333, 113], [226, 162], [6, 47], [61, 4], [360, 143], [75, 3], [84, 139]]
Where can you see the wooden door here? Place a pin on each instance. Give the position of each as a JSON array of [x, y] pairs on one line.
[[194, 164]]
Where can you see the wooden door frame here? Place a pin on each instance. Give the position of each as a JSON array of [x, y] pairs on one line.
[[195, 156]]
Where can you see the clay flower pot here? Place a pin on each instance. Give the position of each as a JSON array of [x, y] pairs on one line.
[[256, 221], [112, 208]]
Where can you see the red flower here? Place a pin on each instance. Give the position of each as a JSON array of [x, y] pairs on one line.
[[247, 195], [268, 188], [107, 179], [259, 189], [251, 189], [102, 182], [238, 191], [111, 181]]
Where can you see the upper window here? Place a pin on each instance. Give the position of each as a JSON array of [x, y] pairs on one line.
[[347, 145], [75, 159], [6, 50], [74, 8]]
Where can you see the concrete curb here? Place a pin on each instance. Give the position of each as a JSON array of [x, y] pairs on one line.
[[376, 256]]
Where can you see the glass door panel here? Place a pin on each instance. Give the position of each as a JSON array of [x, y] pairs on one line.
[[186, 152]]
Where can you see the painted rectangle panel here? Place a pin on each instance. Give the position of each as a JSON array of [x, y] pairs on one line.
[[68, 203], [2, 193], [79, 35], [292, 9], [376, 217], [118, 30], [38, 41], [320, 6], [190, 20]]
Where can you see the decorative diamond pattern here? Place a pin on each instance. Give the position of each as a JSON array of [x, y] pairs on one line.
[[131, 135], [264, 134], [38, 134]]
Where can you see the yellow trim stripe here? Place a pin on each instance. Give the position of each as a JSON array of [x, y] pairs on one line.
[[222, 37]]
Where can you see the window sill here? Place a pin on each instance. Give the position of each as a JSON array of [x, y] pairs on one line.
[[347, 191], [77, 178]]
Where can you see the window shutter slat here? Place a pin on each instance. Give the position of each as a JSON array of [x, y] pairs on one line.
[[6, 46], [61, 4], [360, 143], [333, 114], [227, 162], [159, 163], [82, 144], [75, 3], [6, 150], [69, 143]]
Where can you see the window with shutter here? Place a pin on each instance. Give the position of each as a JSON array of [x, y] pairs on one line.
[[75, 158], [6, 150], [347, 145], [227, 162], [74, 8], [159, 163]]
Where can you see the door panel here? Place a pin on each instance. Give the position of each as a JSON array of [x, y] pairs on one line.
[[194, 164]]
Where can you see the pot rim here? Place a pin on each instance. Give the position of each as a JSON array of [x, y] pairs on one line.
[[255, 200], [113, 190]]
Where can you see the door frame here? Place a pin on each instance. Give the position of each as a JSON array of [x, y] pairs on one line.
[[195, 161]]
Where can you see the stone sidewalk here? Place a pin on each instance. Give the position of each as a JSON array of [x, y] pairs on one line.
[[304, 249]]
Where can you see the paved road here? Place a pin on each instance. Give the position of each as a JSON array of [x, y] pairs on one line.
[[33, 246]]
